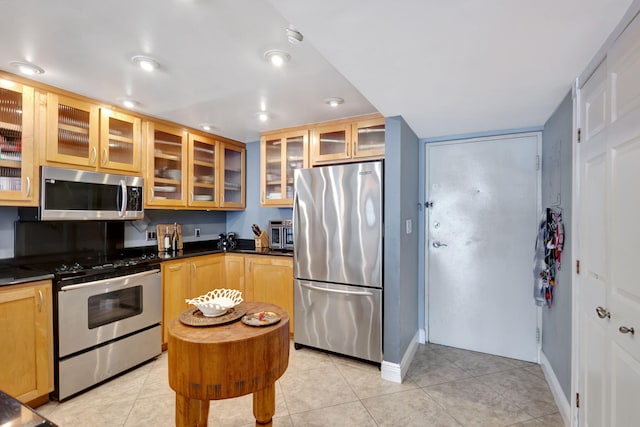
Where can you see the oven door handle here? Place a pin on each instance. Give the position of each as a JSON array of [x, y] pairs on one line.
[[122, 198], [335, 291], [112, 280]]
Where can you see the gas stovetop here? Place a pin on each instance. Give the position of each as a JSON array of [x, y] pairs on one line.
[[69, 270]]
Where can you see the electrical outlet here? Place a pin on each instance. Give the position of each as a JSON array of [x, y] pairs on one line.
[[151, 235], [197, 232]]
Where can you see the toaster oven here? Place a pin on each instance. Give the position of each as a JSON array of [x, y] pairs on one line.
[[281, 234]]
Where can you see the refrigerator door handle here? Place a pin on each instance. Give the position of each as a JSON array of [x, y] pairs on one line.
[[335, 291]]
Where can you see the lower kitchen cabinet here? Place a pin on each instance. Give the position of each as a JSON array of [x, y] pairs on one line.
[[185, 279], [270, 279], [259, 277], [26, 333], [234, 272]]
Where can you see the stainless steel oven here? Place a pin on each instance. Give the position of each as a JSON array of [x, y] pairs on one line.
[[105, 327]]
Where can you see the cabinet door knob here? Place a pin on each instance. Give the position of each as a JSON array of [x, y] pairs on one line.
[[41, 300], [104, 157], [28, 186], [94, 151], [626, 330], [603, 312]]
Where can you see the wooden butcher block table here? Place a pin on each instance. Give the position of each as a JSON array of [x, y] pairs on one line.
[[230, 360]]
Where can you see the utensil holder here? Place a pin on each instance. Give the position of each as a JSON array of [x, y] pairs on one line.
[[262, 241]]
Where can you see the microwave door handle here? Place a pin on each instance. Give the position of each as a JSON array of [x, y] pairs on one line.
[[123, 198]]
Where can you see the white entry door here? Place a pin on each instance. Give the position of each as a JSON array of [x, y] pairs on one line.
[[481, 235], [608, 216]]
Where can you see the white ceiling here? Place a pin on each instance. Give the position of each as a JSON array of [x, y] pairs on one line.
[[448, 67]]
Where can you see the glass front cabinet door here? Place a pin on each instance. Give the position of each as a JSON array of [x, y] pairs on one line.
[[202, 171], [281, 155], [331, 143], [72, 131], [167, 157], [120, 141], [232, 176], [18, 171], [368, 139]]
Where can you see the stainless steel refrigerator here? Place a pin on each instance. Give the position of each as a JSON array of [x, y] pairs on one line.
[[337, 221]]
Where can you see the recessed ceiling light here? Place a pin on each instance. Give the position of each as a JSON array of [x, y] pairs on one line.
[[334, 102], [145, 62], [276, 57], [27, 68], [294, 36], [263, 116], [130, 103], [207, 127]]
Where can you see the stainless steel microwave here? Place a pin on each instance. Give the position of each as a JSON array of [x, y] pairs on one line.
[[281, 234], [67, 194]]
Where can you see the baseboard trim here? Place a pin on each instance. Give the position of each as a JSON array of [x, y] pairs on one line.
[[396, 372], [556, 390], [422, 337]]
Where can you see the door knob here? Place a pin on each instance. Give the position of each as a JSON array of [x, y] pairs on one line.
[[625, 330], [602, 312], [437, 244]]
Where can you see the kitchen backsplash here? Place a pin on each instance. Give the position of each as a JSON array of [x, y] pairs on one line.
[[210, 225]]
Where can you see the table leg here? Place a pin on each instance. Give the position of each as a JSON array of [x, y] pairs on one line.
[[191, 412], [264, 405]]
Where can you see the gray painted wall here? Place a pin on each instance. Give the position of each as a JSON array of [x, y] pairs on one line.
[[401, 260], [556, 188], [240, 222]]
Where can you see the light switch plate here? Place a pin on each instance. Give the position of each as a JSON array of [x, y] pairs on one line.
[[409, 226]]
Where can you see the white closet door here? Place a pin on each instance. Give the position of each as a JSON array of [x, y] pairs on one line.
[[608, 286], [481, 234]]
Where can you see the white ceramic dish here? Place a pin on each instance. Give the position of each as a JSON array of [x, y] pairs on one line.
[[216, 302]]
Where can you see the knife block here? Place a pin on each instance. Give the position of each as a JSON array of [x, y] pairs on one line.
[[161, 230], [262, 241]]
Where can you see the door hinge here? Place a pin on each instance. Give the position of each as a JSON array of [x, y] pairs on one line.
[[577, 400], [537, 335], [537, 162], [428, 204], [579, 135], [577, 266]]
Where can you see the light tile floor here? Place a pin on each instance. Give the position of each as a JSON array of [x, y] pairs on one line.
[[445, 386]]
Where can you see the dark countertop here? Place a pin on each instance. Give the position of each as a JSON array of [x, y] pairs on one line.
[[15, 413], [11, 274], [16, 271]]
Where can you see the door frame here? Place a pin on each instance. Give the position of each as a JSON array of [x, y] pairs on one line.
[[537, 134]]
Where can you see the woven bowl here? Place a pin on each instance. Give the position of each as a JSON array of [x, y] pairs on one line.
[[216, 302]]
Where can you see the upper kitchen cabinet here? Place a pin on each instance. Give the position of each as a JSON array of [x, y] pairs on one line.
[[80, 133], [280, 155], [368, 139], [232, 175], [167, 165], [120, 141], [360, 138], [203, 152], [18, 170]]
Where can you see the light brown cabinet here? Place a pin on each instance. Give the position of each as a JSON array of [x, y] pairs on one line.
[[193, 171], [18, 168], [81, 134], [270, 279], [280, 155], [26, 333], [232, 176], [166, 165], [203, 171], [234, 272], [259, 277], [339, 142], [186, 279]]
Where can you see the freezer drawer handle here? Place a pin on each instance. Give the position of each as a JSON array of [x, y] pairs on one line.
[[335, 291]]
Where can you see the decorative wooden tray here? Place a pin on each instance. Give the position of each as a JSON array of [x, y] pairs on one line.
[[194, 317]]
